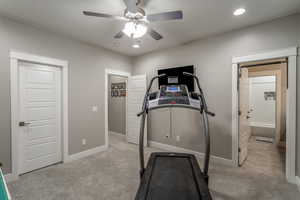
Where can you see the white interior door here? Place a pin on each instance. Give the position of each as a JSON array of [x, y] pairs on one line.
[[40, 113], [137, 86], [244, 125]]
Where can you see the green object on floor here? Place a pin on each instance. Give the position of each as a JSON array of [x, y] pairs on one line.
[[4, 195]]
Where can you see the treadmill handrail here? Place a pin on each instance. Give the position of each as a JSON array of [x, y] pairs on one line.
[[203, 107], [205, 123], [142, 126], [201, 94], [144, 107]]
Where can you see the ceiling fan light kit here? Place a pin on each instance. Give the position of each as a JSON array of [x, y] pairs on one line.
[[136, 46], [137, 22], [135, 29]]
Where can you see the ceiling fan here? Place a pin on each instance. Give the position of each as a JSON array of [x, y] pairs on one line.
[[137, 21]]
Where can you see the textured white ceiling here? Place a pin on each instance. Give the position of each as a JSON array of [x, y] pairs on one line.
[[201, 18]]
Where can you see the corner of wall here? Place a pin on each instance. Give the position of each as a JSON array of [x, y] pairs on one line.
[[298, 182], [86, 153]]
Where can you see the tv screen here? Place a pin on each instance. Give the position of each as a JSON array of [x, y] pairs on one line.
[[175, 77]]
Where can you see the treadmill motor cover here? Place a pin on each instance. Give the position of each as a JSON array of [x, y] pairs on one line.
[[173, 176]]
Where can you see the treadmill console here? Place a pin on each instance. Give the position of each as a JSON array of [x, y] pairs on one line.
[[173, 94], [176, 95]]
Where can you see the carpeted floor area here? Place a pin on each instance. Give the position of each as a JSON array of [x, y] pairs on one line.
[[265, 158], [114, 175]]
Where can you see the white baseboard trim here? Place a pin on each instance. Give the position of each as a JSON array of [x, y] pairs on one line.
[[86, 153], [262, 125], [10, 177], [167, 147], [298, 182], [117, 134]]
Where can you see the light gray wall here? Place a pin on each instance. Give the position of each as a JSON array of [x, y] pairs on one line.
[[117, 108], [178, 127], [212, 57], [86, 82], [263, 132]]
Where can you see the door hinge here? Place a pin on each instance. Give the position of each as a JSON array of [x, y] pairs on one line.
[[239, 150], [239, 113]]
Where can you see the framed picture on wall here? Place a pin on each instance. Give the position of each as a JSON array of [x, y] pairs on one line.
[[270, 96], [118, 89], [114, 93], [123, 93]]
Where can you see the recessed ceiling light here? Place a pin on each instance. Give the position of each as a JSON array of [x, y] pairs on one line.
[[239, 11], [136, 46]]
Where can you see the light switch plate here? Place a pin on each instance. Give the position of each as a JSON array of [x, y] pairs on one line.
[[95, 108]]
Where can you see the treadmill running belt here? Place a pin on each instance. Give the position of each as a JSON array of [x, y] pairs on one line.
[[172, 176]]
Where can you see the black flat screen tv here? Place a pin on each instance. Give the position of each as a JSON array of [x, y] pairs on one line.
[[175, 77]]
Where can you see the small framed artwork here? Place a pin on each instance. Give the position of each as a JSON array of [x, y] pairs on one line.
[[114, 93], [118, 89], [270, 96], [123, 93]]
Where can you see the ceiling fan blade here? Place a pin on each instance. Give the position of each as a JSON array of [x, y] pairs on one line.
[[119, 35], [173, 15], [155, 35], [95, 14], [131, 5]]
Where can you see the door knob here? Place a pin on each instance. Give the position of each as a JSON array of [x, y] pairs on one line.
[[24, 123]]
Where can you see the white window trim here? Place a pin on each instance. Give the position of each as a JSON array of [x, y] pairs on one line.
[[290, 53], [107, 73], [15, 57]]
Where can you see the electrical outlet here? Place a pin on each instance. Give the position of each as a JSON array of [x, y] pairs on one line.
[[177, 138], [83, 142]]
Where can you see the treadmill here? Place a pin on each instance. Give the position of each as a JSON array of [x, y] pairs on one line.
[[170, 175]]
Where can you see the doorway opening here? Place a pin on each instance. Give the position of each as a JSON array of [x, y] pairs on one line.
[[115, 98], [262, 116], [117, 112], [291, 56], [135, 88]]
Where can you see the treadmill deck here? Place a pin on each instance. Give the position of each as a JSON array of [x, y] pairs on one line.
[[173, 176]]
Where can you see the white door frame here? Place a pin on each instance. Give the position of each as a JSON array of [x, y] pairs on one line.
[[107, 73], [291, 54], [15, 57]]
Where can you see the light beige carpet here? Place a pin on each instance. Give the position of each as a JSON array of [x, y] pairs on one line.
[[265, 158], [114, 175]]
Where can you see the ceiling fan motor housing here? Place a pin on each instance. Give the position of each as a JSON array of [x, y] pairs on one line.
[[139, 15]]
